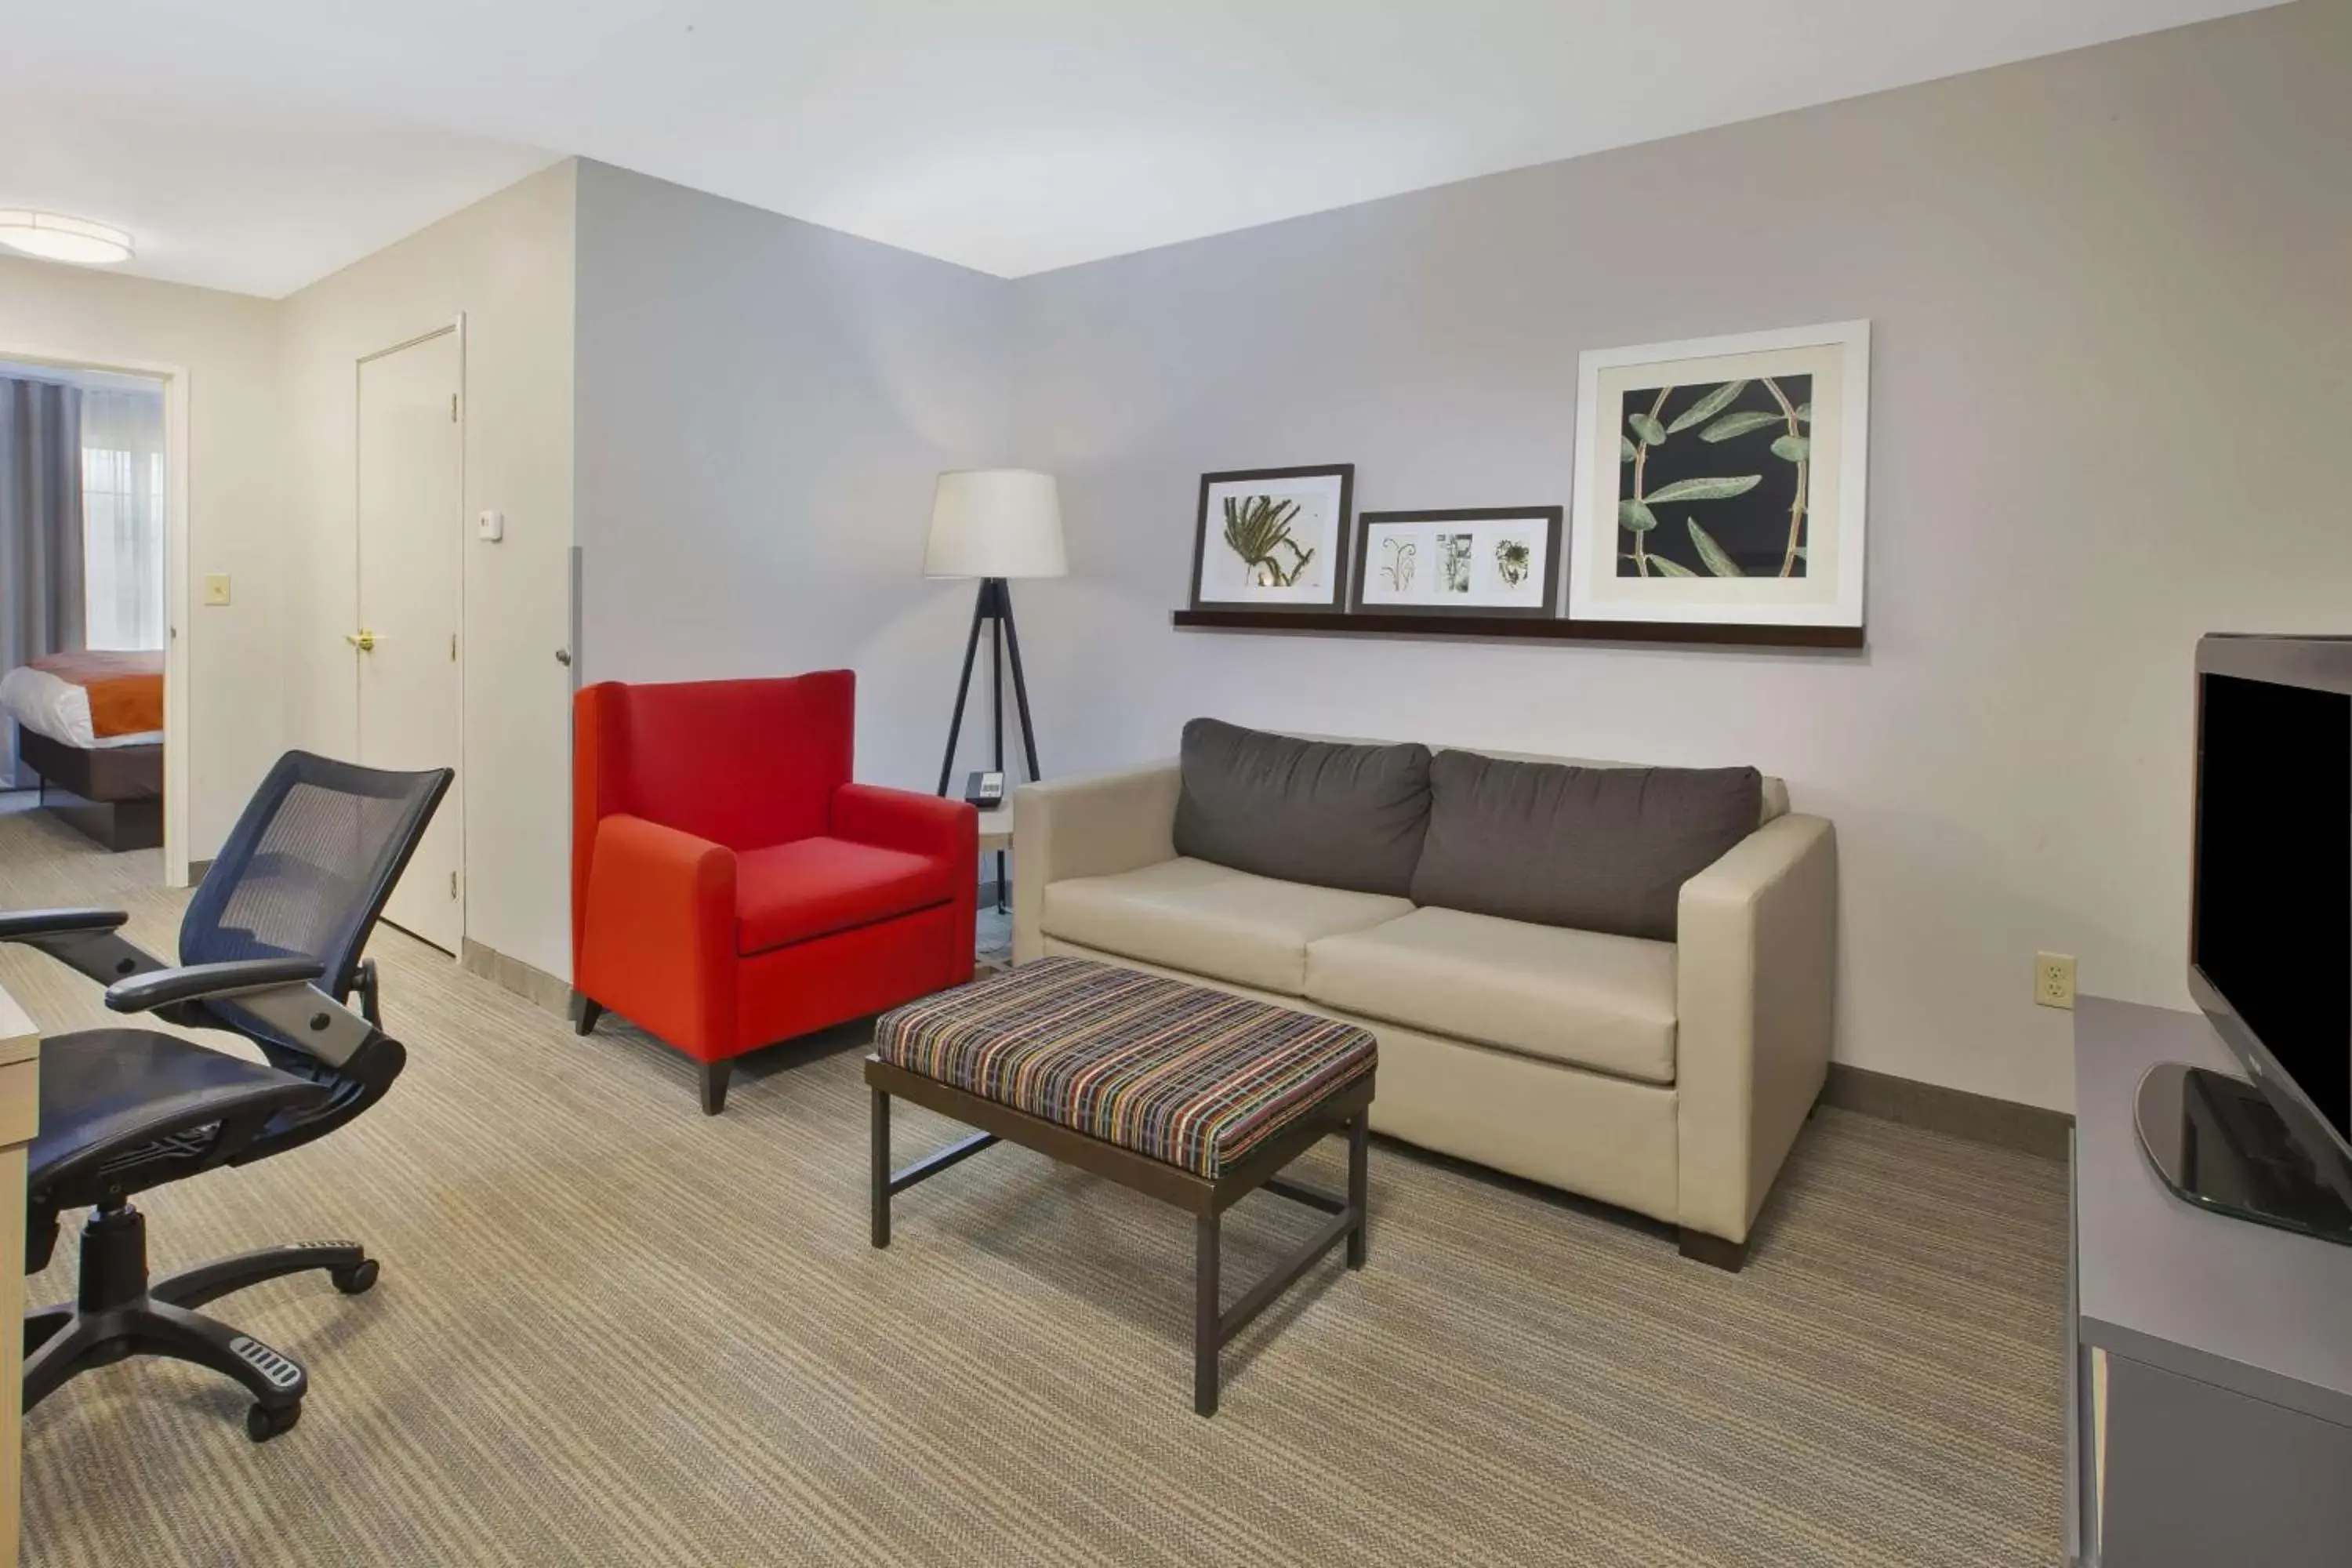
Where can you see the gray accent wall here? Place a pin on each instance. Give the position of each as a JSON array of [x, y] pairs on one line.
[[761, 407], [2112, 300]]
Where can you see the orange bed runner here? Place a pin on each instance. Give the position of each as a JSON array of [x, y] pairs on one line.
[[126, 690]]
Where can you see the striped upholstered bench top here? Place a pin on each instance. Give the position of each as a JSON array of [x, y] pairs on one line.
[[1177, 1072]]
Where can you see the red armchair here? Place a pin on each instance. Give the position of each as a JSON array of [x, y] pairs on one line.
[[731, 887]]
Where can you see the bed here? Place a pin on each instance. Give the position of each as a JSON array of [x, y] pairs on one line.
[[92, 725]]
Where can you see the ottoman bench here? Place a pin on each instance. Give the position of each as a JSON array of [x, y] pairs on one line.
[[1185, 1094]]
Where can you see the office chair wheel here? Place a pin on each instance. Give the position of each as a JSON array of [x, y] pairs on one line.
[[356, 1280], [262, 1424]]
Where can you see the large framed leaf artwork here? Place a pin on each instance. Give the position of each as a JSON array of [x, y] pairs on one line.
[[1721, 482], [1274, 539]]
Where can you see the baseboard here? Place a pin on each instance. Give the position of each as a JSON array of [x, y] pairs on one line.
[[196, 870], [534, 984], [1978, 1118]]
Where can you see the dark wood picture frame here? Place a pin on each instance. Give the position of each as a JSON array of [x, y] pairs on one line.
[[1554, 519], [1341, 538]]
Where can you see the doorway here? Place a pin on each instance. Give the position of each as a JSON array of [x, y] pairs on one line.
[[410, 691], [93, 590]]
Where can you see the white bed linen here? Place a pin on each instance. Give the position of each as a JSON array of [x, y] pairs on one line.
[[59, 709]]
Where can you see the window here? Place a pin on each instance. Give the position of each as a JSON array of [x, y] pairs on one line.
[[122, 519]]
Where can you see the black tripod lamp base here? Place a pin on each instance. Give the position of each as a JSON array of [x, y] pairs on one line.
[[992, 608]]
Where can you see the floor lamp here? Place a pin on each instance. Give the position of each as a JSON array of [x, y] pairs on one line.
[[994, 524]]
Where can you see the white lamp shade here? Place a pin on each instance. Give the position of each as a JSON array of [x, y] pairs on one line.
[[995, 523]]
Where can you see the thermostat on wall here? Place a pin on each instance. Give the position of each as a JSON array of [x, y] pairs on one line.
[[490, 527]]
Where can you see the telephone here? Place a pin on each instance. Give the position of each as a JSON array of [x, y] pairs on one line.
[[984, 790]]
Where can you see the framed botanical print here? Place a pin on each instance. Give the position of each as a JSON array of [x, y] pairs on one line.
[[1274, 539], [1494, 561], [1722, 481]]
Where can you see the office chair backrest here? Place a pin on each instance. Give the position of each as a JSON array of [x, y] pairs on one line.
[[308, 866]]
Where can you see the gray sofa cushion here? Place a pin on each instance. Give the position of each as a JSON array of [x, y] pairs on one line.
[[1303, 811], [1604, 849]]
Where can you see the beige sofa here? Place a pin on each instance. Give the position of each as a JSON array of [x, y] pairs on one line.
[[1668, 1078]]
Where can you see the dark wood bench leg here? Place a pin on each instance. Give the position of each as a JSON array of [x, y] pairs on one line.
[[1208, 1324], [881, 1169], [1359, 1148], [1349, 1214]]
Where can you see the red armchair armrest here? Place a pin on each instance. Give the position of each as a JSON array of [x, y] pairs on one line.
[[902, 820], [659, 946], [923, 824]]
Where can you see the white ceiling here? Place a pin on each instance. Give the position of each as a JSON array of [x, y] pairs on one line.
[[257, 144]]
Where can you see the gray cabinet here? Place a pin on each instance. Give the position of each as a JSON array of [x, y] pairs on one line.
[[2210, 1379]]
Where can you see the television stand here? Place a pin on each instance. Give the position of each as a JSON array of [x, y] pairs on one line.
[[2210, 1374], [2219, 1143]]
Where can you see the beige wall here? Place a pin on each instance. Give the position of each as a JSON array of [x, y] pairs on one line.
[[506, 264], [227, 345], [2112, 300]]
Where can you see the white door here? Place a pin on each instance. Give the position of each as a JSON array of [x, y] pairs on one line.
[[411, 517]]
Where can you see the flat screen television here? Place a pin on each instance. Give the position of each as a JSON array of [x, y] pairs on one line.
[[2270, 941]]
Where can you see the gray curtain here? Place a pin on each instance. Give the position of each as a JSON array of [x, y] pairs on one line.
[[41, 603]]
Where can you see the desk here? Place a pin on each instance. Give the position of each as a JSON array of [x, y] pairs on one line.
[[20, 1115], [2211, 1369]]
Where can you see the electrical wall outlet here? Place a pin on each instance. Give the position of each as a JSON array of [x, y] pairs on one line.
[[2053, 979], [216, 587]]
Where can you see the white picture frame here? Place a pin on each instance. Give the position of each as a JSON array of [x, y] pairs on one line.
[[1701, 559]]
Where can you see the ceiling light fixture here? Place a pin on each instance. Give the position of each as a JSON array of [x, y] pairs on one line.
[[54, 237]]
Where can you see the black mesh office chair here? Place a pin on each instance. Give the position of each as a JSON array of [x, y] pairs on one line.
[[270, 950]]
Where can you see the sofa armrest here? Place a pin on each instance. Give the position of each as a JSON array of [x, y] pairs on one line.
[[915, 824], [1086, 827], [658, 938], [1756, 969]]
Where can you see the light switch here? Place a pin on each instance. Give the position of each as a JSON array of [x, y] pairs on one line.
[[490, 527], [216, 587]]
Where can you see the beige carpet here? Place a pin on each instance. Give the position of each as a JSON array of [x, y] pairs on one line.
[[610, 1332]]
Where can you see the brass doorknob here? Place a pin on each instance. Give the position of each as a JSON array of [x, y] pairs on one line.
[[362, 639]]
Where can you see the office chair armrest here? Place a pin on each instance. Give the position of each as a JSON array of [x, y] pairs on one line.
[[23, 925], [83, 939], [278, 993], [204, 982]]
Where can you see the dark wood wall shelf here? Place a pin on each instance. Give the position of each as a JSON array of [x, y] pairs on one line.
[[1528, 627]]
